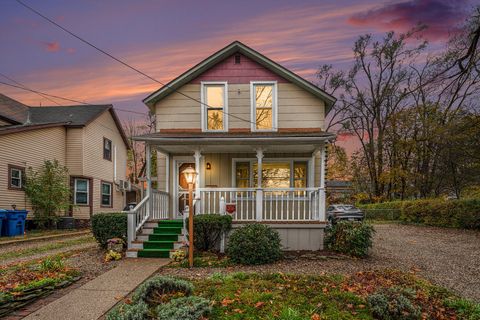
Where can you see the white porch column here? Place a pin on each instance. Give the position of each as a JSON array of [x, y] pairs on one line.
[[148, 176], [259, 199], [197, 155], [322, 183]]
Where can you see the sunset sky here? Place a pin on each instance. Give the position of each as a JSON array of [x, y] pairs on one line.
[[164, 38]]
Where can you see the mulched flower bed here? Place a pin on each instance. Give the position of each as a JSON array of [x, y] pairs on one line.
[[24, 283]]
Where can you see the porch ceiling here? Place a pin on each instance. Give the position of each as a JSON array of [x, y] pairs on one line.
[[272, 142]]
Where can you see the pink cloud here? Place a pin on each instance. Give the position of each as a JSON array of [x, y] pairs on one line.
[[51, 46], [441, 17], [71, 50]]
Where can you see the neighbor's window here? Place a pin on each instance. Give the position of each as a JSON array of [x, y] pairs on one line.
[[264, 106], [107, 149], [16, 177], [81, 194], [106, 194], [214, 103], [278, 174]]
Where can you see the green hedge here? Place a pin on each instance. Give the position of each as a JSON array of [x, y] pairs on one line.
[[349, 237], [254, 244], [207, 230], [462, 213], [109, 225]]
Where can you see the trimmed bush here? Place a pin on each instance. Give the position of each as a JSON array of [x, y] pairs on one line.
[[393, 304], [186, 308], [136, 311], [462, 213], [254, 244], [160, 289], [106, 226], [352, 238], [208, 229]]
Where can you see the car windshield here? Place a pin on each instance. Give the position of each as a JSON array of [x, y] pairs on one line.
[[346, 207]]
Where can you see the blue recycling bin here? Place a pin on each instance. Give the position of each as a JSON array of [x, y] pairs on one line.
[[3, 217], [14, 224]]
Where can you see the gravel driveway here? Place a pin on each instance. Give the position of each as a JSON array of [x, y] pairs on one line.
[[447, 257]]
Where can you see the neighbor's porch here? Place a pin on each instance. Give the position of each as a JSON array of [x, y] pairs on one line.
[[291, 188]]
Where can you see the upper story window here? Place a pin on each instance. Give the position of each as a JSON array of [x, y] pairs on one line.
[[16, 177], [264, 105], [214, 106], [107, 149]]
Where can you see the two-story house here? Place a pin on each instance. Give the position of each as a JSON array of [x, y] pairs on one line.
[[88, 140], [254, 132]]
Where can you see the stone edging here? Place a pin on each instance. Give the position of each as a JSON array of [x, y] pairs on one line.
[[43, 238]]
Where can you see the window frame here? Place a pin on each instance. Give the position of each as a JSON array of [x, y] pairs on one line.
[[292, 161], [204, 106], [22, 177], [75, 179], [110, 205], [111, 149], [253, 106]]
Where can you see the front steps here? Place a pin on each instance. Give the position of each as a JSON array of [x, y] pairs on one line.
[[157, 239]]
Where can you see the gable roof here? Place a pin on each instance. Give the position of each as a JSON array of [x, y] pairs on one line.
[[12, 111], [227, 51], [74, 115], [24, 118]]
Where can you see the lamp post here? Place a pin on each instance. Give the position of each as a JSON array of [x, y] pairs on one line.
[[190, 175]]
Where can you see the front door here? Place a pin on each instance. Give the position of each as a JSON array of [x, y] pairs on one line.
[[182, 188]]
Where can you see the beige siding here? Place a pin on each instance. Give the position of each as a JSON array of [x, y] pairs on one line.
[[75, 144], [297, 108], [28, 149], [162, 171], [94, 166]]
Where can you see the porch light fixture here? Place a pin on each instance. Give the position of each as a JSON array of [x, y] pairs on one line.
[[190, 175], [209, 166]]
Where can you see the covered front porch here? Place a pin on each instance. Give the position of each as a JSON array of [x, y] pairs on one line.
[[290, 190]]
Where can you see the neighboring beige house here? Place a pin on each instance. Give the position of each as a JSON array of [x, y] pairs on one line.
[[233, 115], [88, 140]]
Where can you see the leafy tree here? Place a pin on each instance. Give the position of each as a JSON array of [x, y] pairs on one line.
[[48, 191]]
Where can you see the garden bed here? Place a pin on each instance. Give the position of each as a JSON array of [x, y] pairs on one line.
[[24, 283]]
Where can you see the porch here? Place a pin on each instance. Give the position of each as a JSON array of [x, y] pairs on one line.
[[289, 191]]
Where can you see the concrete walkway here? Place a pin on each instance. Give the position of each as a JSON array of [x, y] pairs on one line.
[[93, 299]]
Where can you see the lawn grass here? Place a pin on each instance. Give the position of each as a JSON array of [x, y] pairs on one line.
[[32, 234], [299, 297], [45, 248]]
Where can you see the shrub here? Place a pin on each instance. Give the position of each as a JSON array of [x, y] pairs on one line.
[[462, 213], [106, 226], [393, 304], [208, 228], [254, 244], [186, 308], [48, 191], [136, 311], [160, 289], [351, 238]]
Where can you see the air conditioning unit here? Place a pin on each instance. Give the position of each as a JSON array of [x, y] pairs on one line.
[[125, 185]]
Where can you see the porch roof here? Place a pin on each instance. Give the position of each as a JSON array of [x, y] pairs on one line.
[[210, 142]]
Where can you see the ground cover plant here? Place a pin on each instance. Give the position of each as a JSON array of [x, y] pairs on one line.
[[285, 296], [21, 284]]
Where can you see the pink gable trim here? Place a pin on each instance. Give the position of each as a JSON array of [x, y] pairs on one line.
[[248, 70]]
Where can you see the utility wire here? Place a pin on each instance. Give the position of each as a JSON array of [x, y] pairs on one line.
[[123, 62], [25, 87], [20, 86]]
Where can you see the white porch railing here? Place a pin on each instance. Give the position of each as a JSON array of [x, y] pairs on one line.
[[286, 204], [160, 205], [155, 206]]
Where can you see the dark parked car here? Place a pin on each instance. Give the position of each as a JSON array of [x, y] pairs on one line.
[[348, 212]]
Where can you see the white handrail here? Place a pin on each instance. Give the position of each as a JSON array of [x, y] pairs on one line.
[[136, 219]]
